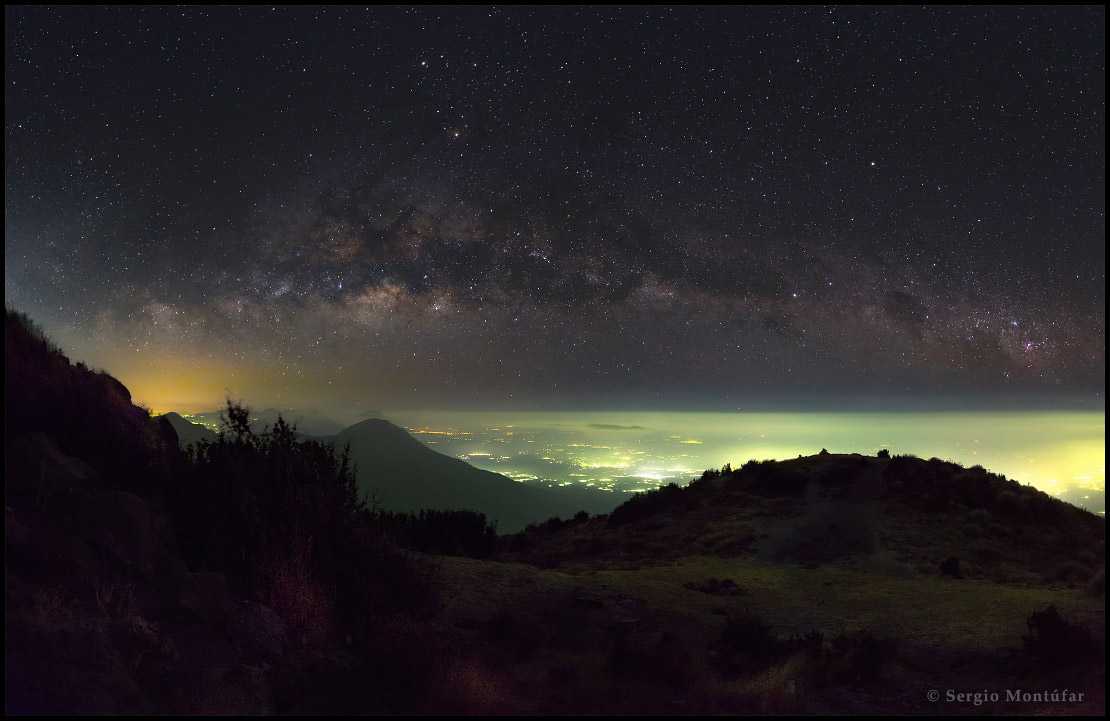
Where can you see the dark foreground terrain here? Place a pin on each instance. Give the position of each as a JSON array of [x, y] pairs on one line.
[[246, 576]]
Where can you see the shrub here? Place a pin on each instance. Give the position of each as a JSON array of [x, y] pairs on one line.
[[861, 658], [842, 471], [1055, 641], [1010, 504], [664, 660], [976, 489], [643, 505], [589, 547], [746, 645], [980, 517], [449, 533], [282, 518], [771, 479], [292, 590]]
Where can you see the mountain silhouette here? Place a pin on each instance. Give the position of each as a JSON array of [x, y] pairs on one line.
[[402, 474], [188, 432]]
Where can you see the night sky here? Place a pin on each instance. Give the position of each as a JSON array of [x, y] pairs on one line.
[[656, 207]]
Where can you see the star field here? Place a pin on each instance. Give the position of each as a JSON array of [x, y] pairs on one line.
[[481, 206]]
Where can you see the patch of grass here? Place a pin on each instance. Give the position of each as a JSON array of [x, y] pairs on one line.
[[794, 600], [968, 613], [622, 640]]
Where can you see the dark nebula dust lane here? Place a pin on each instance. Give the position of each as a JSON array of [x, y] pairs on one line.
[[479, 206]]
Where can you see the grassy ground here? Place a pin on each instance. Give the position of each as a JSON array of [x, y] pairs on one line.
[[620, 640], [793, 599]]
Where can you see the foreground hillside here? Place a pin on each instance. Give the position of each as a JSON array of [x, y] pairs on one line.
[[246, 577], [828, 583], [709, 635]]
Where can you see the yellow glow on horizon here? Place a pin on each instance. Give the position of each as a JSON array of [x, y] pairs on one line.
[[176, 384], [196, 383], [1059, 452]]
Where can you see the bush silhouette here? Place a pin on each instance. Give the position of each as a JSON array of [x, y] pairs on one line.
[[1055, 641], [450, 533], [643, 505], [771, 479], [861, 658], [283, 519], [747, 644]]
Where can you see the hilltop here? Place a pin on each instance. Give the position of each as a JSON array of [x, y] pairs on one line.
[[904, 514]]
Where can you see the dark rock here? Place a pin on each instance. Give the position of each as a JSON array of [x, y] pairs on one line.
[[167, 432], [115, 387]]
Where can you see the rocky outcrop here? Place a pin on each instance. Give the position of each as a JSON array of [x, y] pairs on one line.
[[101, 613]]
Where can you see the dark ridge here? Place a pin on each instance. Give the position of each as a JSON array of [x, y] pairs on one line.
[[841, 508]]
